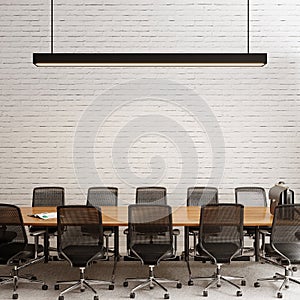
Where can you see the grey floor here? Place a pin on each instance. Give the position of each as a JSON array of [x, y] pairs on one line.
[[175, 270]]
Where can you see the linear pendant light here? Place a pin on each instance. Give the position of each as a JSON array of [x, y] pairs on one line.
[[149, 59]]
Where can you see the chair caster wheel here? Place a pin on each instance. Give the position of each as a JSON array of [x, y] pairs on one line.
[[56, 287], [151, 287], [294, 269], [279, 295], [256, 284], [205, 293], [286, 286], [243, 283], [179, 285], [132, 295], [96, 298], [82, 290], [34, 278], [61, 298], [239, 293], [166, 296], [125, 283], [218, 285], [15, 296], [111, 287], [44, 287], [190, 282]]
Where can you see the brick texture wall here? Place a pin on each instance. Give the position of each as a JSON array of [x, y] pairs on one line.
[[127, 127]]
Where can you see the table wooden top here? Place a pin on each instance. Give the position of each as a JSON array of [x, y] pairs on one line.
[[182, 216]]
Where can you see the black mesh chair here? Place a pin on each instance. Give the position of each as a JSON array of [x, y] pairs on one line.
[[80, 248], [200, 196], [150, 240], [103, 196], [47, 196], [252, 196], [15, 249], [223, 244], [151, 195], [285, 241], [155, 195]]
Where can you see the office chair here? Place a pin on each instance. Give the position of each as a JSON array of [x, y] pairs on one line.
[[150, 240], [223, 244], [252, 196], [103, 196], [80, 248], [151, 195], [200, 196], [155, 195], [47, 196], [15, 249], [285, 241]]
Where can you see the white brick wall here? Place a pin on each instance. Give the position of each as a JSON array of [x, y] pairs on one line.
[[42, 109]]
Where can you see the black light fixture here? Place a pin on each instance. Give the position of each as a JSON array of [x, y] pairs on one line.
[[149, 59]]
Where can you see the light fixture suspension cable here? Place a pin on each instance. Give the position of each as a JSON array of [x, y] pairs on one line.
[[248, 26], [52, 12], [148, 59]]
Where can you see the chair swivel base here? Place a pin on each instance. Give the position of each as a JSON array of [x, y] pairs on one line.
[[82, 284], [217, 278], [286, 278], [15, 279], [151, 281]]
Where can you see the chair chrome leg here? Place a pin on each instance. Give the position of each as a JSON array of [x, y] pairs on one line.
[[89, 286], [15, 279], [217, 278], [230, 282], [150, 281], [160, 285], [82, 283], [141, 285], [286, 279]]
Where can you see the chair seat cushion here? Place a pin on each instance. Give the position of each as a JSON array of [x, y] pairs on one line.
[[151, 253], [7, 236], [10, 250], [290, 250], [222, 252], [80, 256]]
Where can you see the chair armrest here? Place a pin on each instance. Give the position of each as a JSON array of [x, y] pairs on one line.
[[107, 233], [176, 232], [125, 231], [38, 233]]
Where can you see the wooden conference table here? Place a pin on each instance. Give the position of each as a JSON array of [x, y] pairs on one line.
[[186, 216]]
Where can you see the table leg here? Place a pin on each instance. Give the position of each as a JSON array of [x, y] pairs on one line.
[[116, 243], [46, 245], [186, 251], [186, 243], [256, 243]]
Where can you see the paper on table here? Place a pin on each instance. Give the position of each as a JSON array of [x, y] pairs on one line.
[[46, 215]]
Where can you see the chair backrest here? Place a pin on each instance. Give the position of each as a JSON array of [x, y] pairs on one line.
[[200, 196], [251, 196], [221, 227], [286, 224], [149, 224], [102, 196], [71, 220], [48, 196], [12, 228], [151, 195]]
